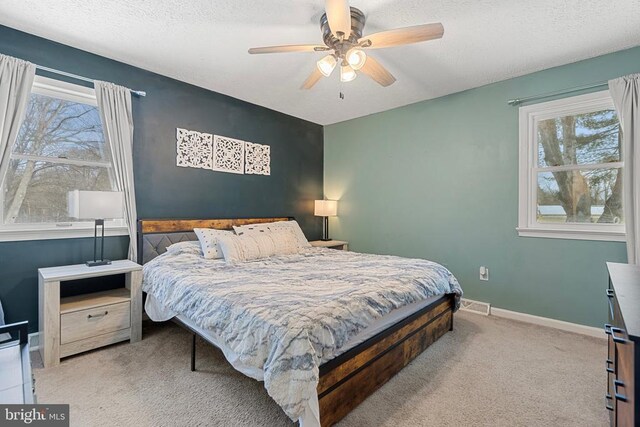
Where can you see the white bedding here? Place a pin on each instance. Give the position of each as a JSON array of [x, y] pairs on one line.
[[278, 319], [159, 313]]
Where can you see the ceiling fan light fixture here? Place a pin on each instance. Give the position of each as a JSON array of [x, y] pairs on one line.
[[347, 73], [327, 64], [356, 58]]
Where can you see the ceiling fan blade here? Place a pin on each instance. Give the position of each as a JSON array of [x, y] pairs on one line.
[[339, 16], [377, 72], [288, 48], [315, 76], [407, 35]]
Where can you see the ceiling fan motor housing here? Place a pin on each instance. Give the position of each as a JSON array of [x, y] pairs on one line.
[[341, 46]]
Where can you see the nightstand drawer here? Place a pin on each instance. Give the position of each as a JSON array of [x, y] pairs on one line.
[[88, 323]]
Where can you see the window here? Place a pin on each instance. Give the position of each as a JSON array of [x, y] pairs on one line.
[[571, 169], [60, 147]]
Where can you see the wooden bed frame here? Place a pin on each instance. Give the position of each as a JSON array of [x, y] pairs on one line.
[[350, 378]]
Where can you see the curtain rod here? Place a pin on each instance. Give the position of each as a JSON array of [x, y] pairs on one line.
[[518, 101], [84, 79]]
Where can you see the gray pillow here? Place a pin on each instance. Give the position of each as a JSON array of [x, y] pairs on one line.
[[192, 247]]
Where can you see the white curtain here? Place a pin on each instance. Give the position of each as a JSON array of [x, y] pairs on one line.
[[625, 92], [16, 80], [114, 103]]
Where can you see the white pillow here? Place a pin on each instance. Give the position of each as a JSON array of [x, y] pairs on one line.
[[275, 226], [285, 241], [208, 238], [187, 247], [251, 229], [257, 245]]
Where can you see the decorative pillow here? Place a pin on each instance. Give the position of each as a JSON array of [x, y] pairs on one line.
[[275, 226], [251, 229], [285, 241], [188, 247], [208, 238], [257, 245]]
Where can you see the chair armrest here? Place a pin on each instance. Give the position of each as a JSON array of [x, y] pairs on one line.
[[21, 327]]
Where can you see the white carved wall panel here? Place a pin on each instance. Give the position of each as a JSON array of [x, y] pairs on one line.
[[194, 149], [228, 154], [257, 159], [220, 153]]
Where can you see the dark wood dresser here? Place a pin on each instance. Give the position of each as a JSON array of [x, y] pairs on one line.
[[623, 330]]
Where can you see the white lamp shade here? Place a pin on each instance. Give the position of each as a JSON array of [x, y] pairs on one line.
[[356, 58], [327, 64], [95, 204], [347, 73], [326, 208]]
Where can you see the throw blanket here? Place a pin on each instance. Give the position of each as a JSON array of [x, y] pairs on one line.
[[289, 314]]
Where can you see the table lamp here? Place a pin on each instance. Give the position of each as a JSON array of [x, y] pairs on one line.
[[96, 205], [326, 208]]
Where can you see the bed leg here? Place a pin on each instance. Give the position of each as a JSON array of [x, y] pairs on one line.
[[193, 353], [452, 309]]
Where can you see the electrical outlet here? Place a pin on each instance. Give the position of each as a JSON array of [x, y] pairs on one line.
[[484, 273]]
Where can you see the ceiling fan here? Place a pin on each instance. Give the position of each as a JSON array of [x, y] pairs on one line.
[[342, 27]]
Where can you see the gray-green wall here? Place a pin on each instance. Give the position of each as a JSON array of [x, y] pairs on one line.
[[439, 180]]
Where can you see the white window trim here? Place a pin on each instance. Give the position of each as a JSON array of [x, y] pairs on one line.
[[67, 230], [59, 231], [530, 115], [63, 90]]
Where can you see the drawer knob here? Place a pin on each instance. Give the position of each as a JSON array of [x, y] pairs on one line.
[[610, 293], [609, 362], [94, 316], [620, 397]]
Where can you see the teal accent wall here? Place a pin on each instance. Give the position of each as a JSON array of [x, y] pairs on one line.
[[164, 190], [439, 180]]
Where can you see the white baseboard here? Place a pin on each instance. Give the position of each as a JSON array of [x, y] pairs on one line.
[[550, 323]]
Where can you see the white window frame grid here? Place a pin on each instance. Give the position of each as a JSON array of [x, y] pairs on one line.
[[530, 116], [66, 230]]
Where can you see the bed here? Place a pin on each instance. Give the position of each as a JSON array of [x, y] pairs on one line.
[[323, 329]]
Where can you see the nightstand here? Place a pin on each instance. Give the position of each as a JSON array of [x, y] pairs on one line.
[[333, 244], [83, 322]]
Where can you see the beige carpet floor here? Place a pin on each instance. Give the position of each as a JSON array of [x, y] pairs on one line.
[[487, 372]]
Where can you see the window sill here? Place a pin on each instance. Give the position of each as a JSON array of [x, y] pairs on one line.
[[551, 233], [16, 235]]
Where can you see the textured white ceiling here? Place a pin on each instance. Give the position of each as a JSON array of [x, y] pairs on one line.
[[205, 42]]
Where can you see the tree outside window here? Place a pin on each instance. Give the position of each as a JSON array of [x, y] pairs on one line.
[[571, 169]]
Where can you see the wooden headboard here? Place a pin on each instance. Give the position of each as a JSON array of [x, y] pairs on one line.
[[155, 235]]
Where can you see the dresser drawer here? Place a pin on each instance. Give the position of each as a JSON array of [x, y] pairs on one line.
[[615, 317], [88, 323], [623, 330], [624, 385]]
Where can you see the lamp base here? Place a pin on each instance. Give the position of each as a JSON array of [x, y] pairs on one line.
[[325, 240], [98, 263]]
